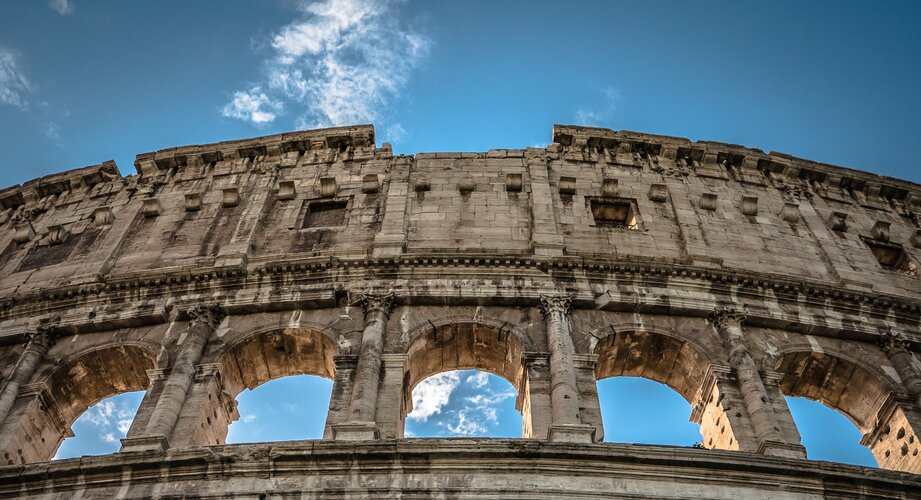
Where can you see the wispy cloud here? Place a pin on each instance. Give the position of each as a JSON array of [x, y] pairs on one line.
[[14, 86], [342, 62], [601, 111], [252, 105], [478, 379], [62, 7], [433, 394]]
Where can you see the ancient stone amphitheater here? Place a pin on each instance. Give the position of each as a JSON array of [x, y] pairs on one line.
[[733, 276]]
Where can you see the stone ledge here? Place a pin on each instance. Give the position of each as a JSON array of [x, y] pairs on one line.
[[465, 467]]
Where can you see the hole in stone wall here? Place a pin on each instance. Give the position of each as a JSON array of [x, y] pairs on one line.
[[614, 213], [893, 257], [325, 214], [827, 434], [463, 403], [286, 408], [639, 410], [100, 428]]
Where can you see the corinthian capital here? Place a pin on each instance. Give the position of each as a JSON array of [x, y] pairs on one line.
[[559, 302], [375, 301], [209, 315], [892, 343], [726, 317], [44, 336]]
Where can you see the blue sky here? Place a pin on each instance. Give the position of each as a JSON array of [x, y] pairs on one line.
[[85, 81]]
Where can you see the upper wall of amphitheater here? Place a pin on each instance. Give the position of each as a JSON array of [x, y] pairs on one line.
[[623, 221]]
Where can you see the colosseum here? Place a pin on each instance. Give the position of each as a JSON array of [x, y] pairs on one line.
[[733, 276]]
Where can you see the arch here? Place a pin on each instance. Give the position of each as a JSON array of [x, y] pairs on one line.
[[486, 321], [274, 353], [80, 381], [654, 354], [252, 360], [835, 380], [470, 345], [685, 367]]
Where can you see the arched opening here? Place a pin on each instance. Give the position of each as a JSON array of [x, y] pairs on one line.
[[45, 420], [99, 430], [445, 356], [828, 434], [860, 395], [284, 409], [281, 381], [669, 365], [464, 403], [639, 410]]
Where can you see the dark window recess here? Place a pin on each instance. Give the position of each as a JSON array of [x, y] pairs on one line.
[[618, 214], [893, 257], [325, 214], [50, 255]]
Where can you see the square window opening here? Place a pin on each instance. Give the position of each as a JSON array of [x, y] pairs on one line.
[[325, 214], [618, 214], [893, 257]]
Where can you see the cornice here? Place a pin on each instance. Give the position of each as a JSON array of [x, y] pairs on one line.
[[158, 281], [312, 281]]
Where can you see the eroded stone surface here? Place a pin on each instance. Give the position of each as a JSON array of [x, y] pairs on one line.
[[731, 275]]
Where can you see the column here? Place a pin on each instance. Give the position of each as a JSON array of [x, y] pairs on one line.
[[587, 385], [36, 347], [341, 396], [390, 241], [363, 406], [728, 323], [202, 322], [534, 396], [895, 439], [896, 349], [566, 422], [208, 410], [546, 240]]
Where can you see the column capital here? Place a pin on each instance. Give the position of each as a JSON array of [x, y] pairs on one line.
[[728, 317], [44, 336], [892, 343], [529, 359], [372, 301], [208, 314], [556, 302]]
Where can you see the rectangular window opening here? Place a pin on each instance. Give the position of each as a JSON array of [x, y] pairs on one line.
[[893, 257], [325, 214], [619, 214]]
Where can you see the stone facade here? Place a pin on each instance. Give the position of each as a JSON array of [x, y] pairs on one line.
[[733, 276]]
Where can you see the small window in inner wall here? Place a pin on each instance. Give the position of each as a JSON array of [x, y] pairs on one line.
[[614, 213], [893, 257], [325, 214]]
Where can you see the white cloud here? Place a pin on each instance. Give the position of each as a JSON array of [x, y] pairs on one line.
[[252, 105], [478, 379], [14, 87], [109, 437], [62, 7], [248, 418], [123, 425], [602, 111], [466, 425], [342, 62], [433, 394]]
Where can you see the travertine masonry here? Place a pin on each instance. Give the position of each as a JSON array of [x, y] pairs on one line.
[[733, 276]]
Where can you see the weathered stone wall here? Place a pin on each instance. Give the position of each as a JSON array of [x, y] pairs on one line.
[[733, 276]]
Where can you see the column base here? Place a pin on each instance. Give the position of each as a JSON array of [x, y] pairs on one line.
[[146, 443], [580, 433], [389, 245], [359, 431], [543, 249], [779, 449]]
